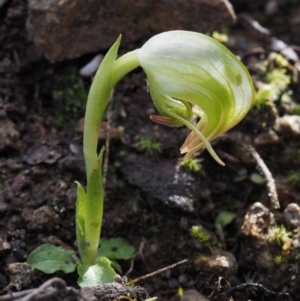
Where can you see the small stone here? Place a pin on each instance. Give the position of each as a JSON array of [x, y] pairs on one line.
[[296, 242], [255, 238], [257, 220], [168, 273], [221, 263], [292, 215], [183, 279], [19, 248], [288, 125], [38, 154], [20, 182], [271, 7], [91, 67], [5, 247], [286, 50], [62, 185], [44, 218], [75, 148], [193, 295], [265, 139], [154, 248], [21, 275]]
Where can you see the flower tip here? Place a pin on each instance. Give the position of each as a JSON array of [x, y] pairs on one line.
[[189, 152]]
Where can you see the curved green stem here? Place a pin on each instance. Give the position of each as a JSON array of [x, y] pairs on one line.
[[89, 217], [124, 65], [107, 76]]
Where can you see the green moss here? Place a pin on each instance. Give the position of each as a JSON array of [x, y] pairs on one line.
[[198, 233], [278, 259], [280, 237], [294, 178], [193, 165], [275, 82], [148, 146]]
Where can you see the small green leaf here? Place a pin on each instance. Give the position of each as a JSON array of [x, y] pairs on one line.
[[257, 179], [115, 248], [101, 272], [50, 259], [225, 218]]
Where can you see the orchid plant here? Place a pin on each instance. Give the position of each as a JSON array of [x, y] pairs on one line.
[[188, 74]]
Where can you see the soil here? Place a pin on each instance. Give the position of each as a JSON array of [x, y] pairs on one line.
[[41, 110]]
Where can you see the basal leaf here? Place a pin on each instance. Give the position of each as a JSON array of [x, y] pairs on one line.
[[115, 248], [101, 272], [50, 259]]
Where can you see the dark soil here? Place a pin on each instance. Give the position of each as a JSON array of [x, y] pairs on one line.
[[41, 111]]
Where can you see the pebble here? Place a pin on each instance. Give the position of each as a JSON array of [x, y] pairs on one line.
[[193, 295], [287, 51], [288, 125], [41, 154], [271, 7], [44, 218], [21, 275], [292, 215], [168, 273], [75, 148], [91, 67], [257, 221], [183, 279], [220, 263], [264, 139], [5, 247]]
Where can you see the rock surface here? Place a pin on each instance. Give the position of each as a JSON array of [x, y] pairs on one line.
[[163, 180], [68, 29]]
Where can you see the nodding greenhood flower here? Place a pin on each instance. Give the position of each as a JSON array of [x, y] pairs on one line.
[[190, 74]]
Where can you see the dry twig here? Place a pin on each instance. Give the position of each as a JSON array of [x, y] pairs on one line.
[[157, 272], [269, 178]]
